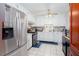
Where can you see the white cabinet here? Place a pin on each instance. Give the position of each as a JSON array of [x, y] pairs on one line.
[[29, 40], [50, 36]]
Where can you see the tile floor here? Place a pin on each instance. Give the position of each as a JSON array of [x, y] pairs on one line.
[[19, 52], [43, 50], [46, 50]]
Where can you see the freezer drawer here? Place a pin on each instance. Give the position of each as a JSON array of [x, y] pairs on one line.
[[10, 45]]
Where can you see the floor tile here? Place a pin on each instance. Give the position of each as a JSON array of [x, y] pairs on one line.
[[47, 50], [43, 50]]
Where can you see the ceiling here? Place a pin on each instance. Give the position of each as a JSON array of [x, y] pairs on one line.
[[42, 8]]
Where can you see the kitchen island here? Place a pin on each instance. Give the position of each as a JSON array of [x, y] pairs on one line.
[[50, 36]]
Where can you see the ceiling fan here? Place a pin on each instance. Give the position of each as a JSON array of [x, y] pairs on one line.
[[47, 12], [51, 13]]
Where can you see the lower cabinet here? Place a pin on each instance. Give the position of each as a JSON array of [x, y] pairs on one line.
[[29, 40]]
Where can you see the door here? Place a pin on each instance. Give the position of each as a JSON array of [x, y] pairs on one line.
[[21, 28], [10, 44], [74, 8]]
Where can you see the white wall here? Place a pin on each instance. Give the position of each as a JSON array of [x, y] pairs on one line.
[[56, 20], [68, 21]]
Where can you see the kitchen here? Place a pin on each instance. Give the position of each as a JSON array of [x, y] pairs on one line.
[[27, 30]]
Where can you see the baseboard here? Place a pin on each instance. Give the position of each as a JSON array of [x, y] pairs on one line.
[[55, 43]]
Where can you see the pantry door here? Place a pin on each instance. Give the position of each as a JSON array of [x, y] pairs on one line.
[[74, 24]]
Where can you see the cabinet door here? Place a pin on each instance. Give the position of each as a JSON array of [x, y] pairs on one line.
[[75, 27], [29, 41]]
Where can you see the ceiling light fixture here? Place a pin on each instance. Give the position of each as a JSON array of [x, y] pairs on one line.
[[49, 13]]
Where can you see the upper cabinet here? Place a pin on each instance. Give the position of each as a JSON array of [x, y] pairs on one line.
[[74, 28], [30, 18]]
